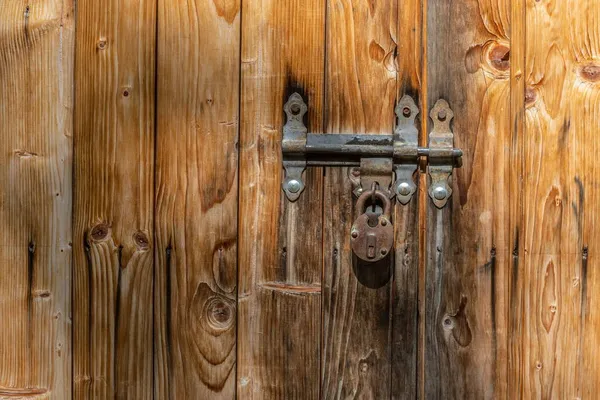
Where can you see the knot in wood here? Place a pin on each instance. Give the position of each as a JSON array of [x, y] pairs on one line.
[[499, 57], [219, 313], [590, 73], [530, 96], [101, 44], [100, 232], [448, 323], [141, 240]]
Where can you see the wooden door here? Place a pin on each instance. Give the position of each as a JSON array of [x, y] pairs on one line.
[[147, 250]]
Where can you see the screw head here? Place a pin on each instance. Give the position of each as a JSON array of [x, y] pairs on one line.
[[403, 188], [354, 234], [294, 186], [383, 222], [383, 252], [440, 193]]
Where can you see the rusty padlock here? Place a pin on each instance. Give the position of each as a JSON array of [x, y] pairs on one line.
[[372, 235]]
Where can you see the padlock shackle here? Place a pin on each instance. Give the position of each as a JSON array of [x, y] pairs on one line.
[[387, 204]]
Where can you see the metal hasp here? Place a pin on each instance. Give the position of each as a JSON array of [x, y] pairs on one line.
[[378, 156], [293, 146], [406, 149], [442, 158]]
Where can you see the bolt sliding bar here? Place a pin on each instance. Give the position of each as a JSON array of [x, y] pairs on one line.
[[349, 146]]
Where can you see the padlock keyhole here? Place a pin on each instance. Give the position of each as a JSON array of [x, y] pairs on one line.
[[371, 245], [374, 210]]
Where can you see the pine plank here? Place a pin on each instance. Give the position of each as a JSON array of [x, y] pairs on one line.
[[36, 115], [113, 199], [361, 91], [581, 99], [197, 199], [470, 243], [515, 289], [559, 341], [280, 243]]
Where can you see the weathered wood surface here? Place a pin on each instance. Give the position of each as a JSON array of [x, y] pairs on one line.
[[515, 291], [36, 120], [559, 342], [362, 87], [492, 297], [470, 243], [114, 199], [280, 243], [510, 266], [405, 375], [196, 199]]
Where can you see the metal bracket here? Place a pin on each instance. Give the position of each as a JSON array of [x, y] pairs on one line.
[[377, 171], [378, 156], [441, 158], [406, 143], [293, 146]]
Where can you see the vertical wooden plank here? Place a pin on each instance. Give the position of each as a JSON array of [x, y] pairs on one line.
[[470, 241], [559, 341], [361, 89], [515, 288], [582, 98], [280, 258], [113, 203], [36, 115], [405, 291], [196, 198]]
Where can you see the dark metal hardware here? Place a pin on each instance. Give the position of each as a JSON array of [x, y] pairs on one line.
[[353, 147], [301, 149], [372, 235]]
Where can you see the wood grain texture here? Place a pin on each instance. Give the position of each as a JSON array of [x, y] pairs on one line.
[[113, 199], [470, 242], [515, 289], [361, 90], [280, 243], [560, 339], [405, 293], [196, 199], [36, 116]]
